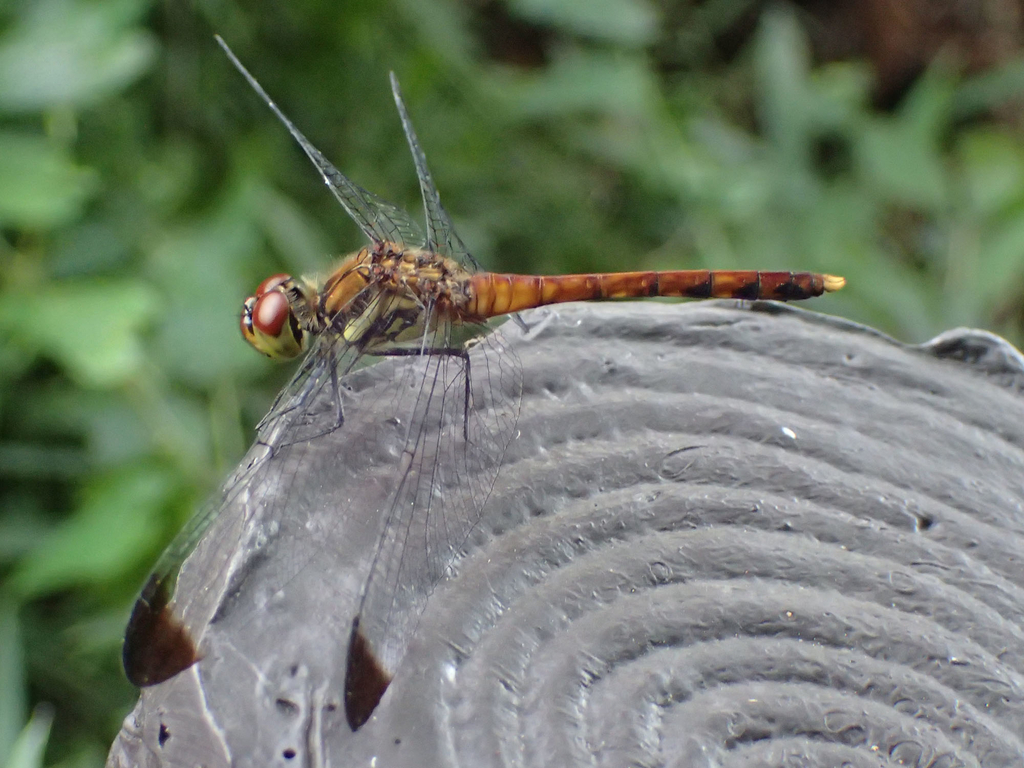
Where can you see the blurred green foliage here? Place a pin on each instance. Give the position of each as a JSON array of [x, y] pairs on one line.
[[144, 190]]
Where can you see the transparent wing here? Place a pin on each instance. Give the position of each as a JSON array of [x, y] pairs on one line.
[[405, 447], [418, 450], [441, 236], [162, 637], [379, 220], [459, 412]]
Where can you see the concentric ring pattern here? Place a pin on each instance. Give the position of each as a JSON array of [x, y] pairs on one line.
[[722, 535], [728, 537]]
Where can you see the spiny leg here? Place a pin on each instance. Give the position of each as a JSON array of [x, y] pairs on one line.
[[446, 352], [339, 410], [297, 404], [336, 390]]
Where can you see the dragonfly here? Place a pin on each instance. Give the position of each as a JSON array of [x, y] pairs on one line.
[[420, 296]]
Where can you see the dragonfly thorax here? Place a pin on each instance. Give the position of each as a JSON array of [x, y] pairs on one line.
[[392, 295], [376, 298]]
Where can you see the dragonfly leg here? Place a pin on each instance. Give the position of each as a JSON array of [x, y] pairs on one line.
[[446, 352], [288, 423], [336, 390]]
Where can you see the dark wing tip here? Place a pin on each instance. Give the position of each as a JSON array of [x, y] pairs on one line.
[[365, 680], [156, 644]]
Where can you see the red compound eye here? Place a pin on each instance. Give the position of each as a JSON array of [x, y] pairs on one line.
[[270, 313], [271, 283]]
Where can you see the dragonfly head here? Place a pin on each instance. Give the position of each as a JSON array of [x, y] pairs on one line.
[[268, 321]]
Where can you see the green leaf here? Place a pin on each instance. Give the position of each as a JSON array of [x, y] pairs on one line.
[[902, 155], [21, 527], [627, 22], [12, 676], [990, 89], [993, 166], [782, 66], [594, 82], [1000, 262], [199, 339], [90, 327], [31, 744], [902, 166], [67, 52], [114, 429], [104, 536], [293, 233], [41, 461], [798, 106], [40, 185]]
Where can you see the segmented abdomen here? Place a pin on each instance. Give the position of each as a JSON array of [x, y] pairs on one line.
[[493, 294]]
